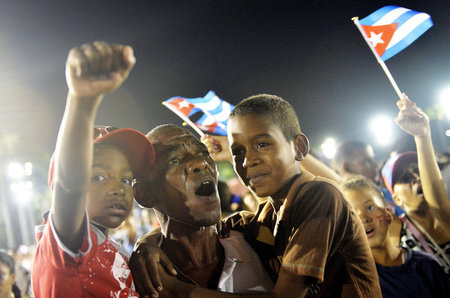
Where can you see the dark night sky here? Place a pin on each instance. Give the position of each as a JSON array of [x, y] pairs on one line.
[[308, 52]]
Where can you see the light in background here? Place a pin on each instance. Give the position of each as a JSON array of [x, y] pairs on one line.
[[444, 98], [17, 202], [328, 148], [381, 127]]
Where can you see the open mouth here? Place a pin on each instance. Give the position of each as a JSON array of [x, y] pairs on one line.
[[369, 231], [207, 188], [117, 207], [419, 190]]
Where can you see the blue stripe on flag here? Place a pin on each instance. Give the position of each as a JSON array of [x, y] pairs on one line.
[[408, 39], [377, 15]]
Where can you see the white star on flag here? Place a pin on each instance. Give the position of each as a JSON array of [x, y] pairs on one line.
[[375, 38], [183, 104]]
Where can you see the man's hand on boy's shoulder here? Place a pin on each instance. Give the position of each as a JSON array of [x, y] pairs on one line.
[[93, 69]]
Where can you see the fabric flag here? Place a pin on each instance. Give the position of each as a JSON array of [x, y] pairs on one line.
[[210, 113], [390, 29]]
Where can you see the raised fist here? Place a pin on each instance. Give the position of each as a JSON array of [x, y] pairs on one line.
[[98, 68]]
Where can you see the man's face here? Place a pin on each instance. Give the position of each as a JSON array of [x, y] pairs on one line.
[[408, 188], [373, 214], [110, 194], [6, 281], [262, 157], [364, 163], [184, 178]]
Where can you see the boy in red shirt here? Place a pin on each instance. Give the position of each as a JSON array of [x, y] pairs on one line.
[[91, 184]]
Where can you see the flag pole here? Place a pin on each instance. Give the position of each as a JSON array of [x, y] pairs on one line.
[[381, 62], [186, 119]]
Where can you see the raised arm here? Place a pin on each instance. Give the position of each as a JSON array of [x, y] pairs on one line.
[[414, 121], [91, 71]]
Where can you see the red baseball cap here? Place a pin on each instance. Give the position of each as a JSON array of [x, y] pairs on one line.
[[136, 146]]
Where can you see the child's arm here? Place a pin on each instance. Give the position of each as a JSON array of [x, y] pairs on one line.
[[415, 122], [91, 71]]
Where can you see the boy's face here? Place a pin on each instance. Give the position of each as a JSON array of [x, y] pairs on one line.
[[408, 188], [184, 179], [262, 157], [374, 216], [110, 194], [6, 281]]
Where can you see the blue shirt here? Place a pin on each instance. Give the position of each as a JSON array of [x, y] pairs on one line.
[[420, 276]]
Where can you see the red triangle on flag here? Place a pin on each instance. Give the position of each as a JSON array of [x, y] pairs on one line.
[[182, 105], [380, 36]]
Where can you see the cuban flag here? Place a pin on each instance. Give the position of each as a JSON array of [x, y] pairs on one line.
[[210, 113], [390, 29]]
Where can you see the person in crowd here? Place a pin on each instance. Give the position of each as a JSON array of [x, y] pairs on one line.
[[354, 158], [307, 235], [8, 287], [183, 190], [402, 272], [24, 259], [91, 178], [416, 184]]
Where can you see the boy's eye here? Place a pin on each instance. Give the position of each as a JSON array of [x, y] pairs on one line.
[[174, 161], [128, 181], [370, 208], [261, 145], [98, 178]]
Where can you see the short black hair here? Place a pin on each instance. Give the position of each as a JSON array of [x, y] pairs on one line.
[[277, 110], [152, 133], [361, 182]]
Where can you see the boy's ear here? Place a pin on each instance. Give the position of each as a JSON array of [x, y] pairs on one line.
[[143, 194], [301, 144]]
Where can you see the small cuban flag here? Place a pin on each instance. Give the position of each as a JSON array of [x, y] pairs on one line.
[[390, 29], [209, 113]]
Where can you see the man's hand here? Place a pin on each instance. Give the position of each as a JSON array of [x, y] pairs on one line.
[[411, 118], [217, 147], [98, 68], [172, 286], [147, 257]]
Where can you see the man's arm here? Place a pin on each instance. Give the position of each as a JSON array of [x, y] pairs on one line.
[[414, 121], [91, 71], [287, 284]]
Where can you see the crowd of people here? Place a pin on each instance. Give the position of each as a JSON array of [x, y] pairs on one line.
[[348, 229]]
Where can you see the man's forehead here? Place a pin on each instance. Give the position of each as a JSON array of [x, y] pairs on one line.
[[174, 140], [173, 135]]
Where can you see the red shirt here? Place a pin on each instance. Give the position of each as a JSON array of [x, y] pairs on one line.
[[98, 269]]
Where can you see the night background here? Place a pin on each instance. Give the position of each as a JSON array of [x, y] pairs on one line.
[[308, 52]]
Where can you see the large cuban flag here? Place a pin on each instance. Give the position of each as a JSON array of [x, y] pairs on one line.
[[390, 29], [210, 113]]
